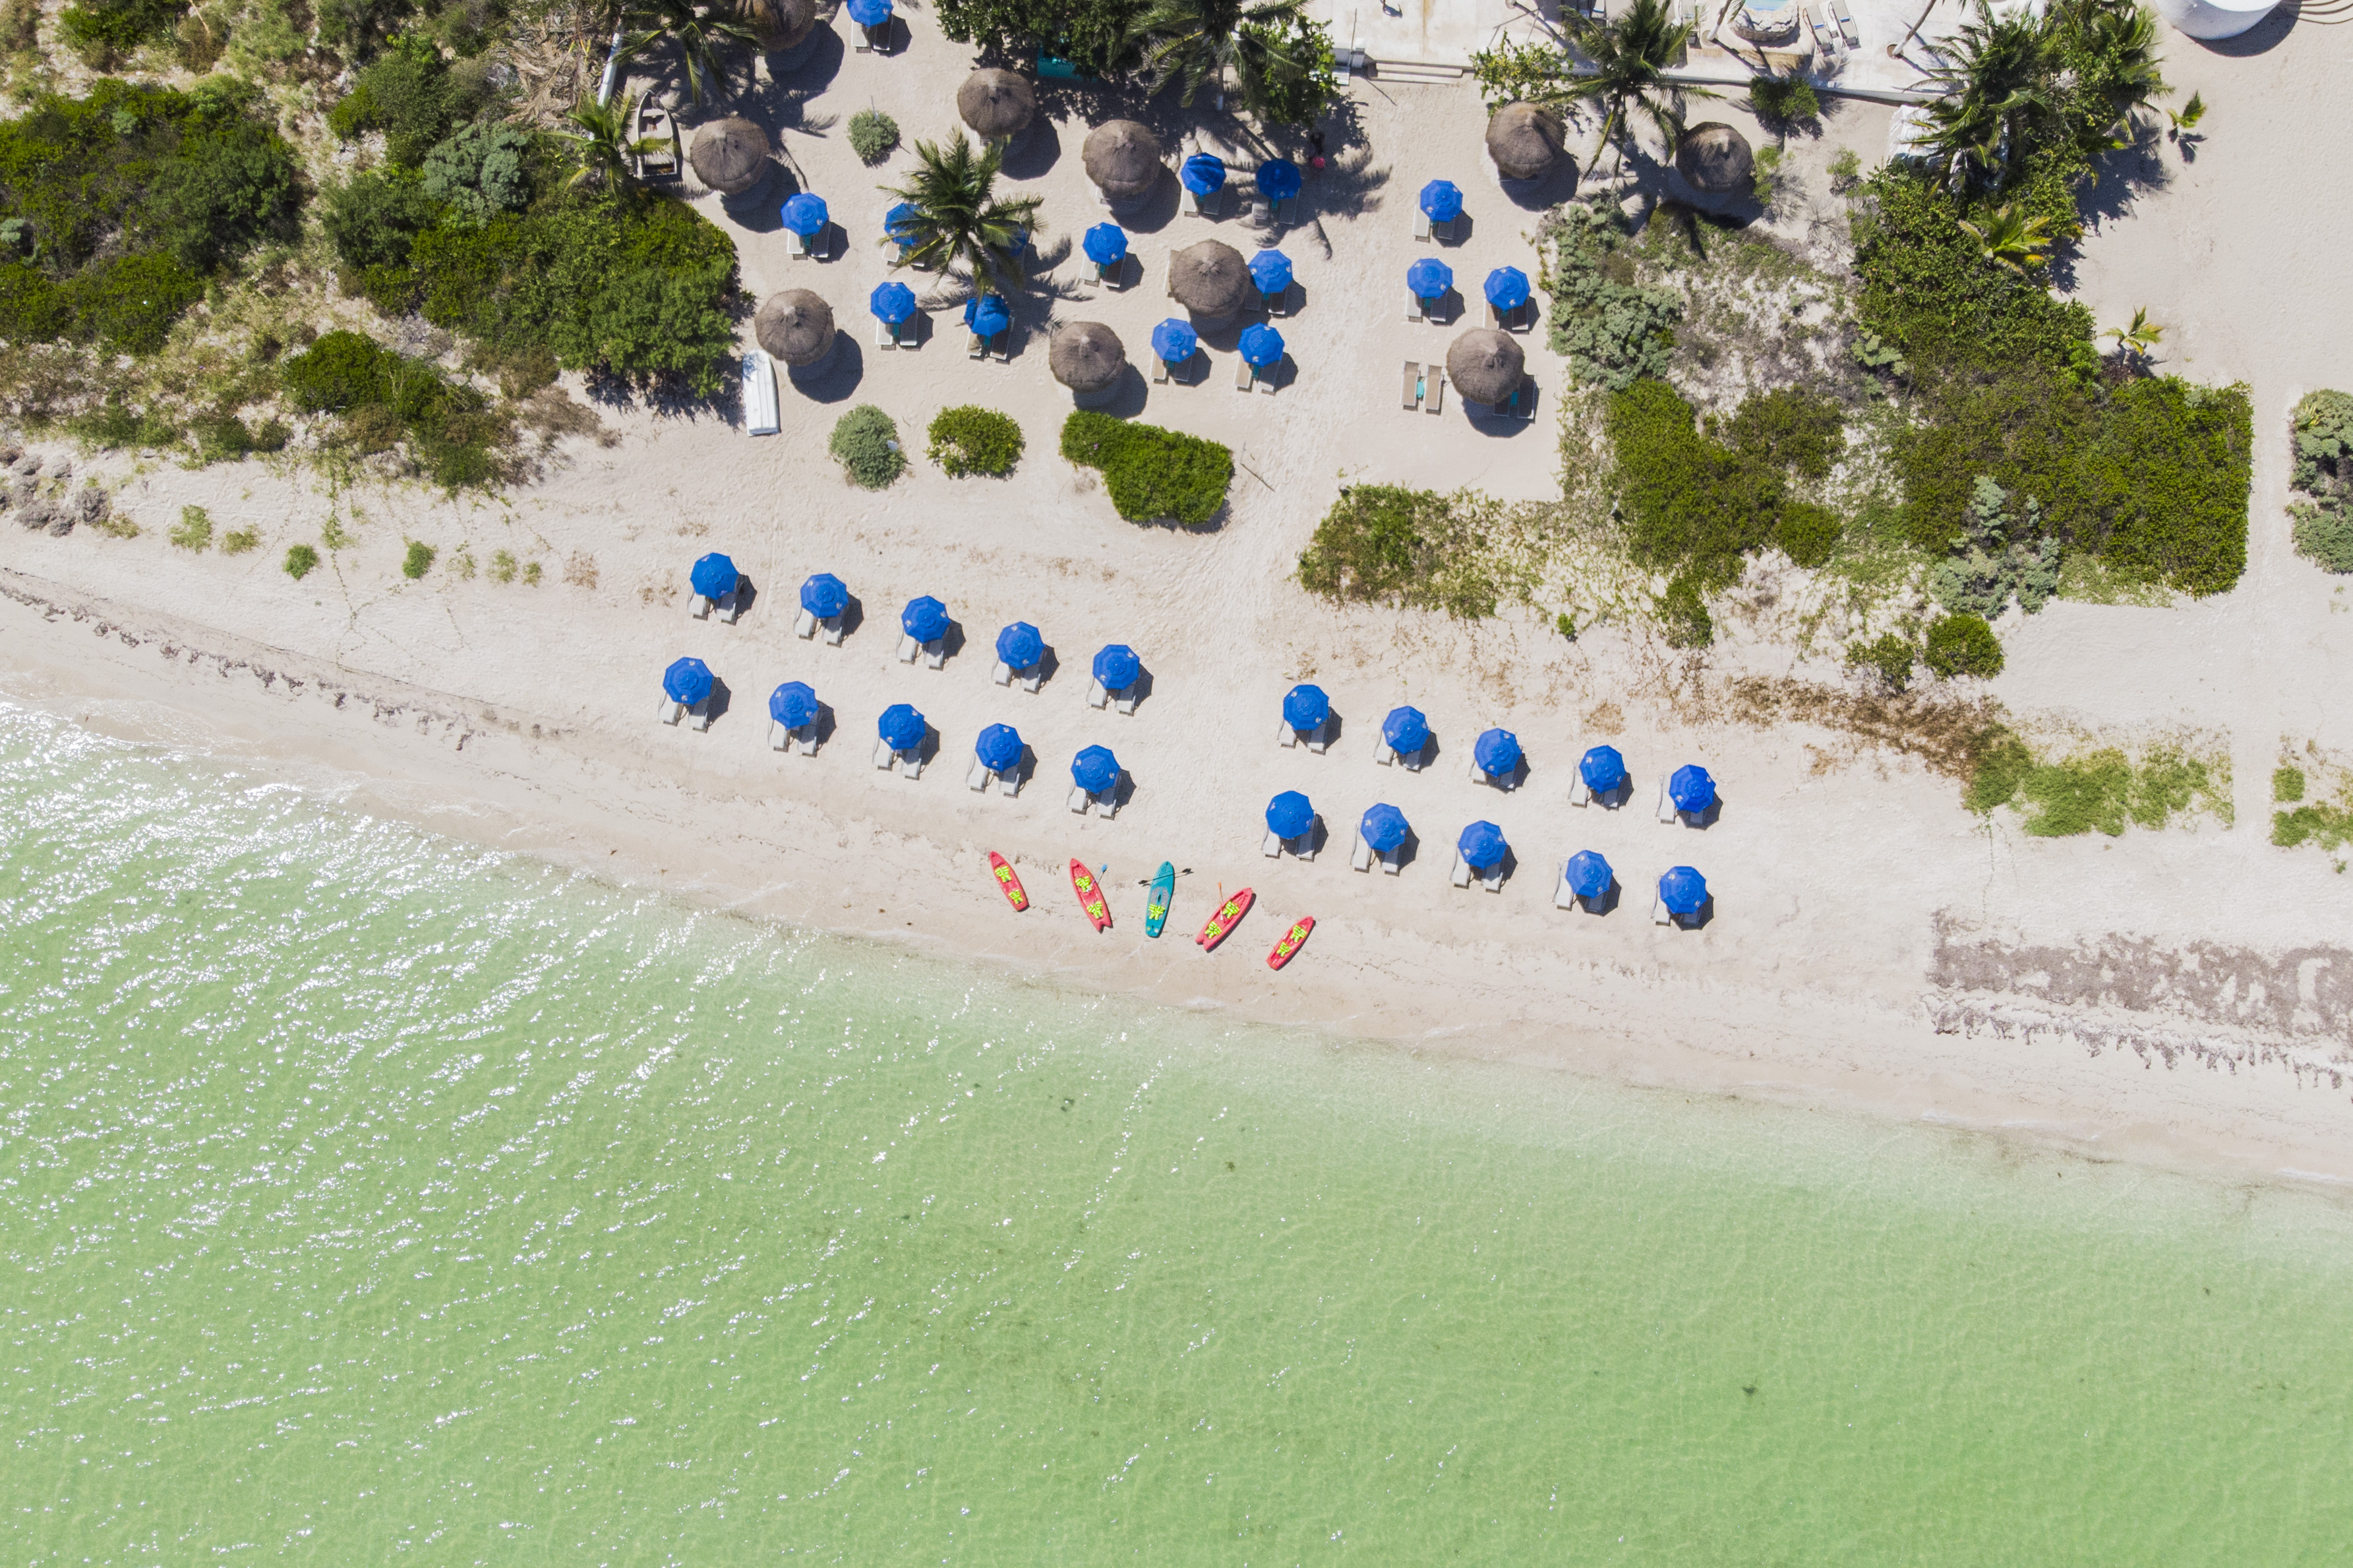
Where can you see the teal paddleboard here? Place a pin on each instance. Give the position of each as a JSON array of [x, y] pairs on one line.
[[1164, 893]]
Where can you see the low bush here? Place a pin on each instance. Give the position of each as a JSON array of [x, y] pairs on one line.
[[1692, 503], [1683, 613], [970, 439], [873, 134], [384, 398], [410, 94], [1783, 100], [1962, 645], [2098, 791], [1890, 656], [1613, 331], [1385, 544], [102, 31], [240, 541], [418, 562], [1846, 171], [2323, 471], [1808, 534], [115, 425], [866, 443], [2287, 785], [478, 171], [195, 529], [1150, 473], [300, 560]]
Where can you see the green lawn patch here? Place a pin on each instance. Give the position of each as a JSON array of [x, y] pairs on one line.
[[1151, 473]]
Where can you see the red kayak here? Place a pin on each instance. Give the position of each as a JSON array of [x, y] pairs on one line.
[[1008, 880], [1090, 899], [1293, 941], [1222, 923]]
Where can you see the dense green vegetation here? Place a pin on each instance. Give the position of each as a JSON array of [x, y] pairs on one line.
[[970, 439], [2323, 474], [1386, 544], [866, 444], [1096, 35], [2327, 824], [1151, 473], [122, 206], [873, 134], [1613, 330], [384, 398], [2100, 790], [1963, 645], [102, 31]]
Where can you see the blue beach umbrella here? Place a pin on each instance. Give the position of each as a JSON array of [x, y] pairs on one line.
[[1691, 789], [1507, 287], [1117, 667], [1405, 731], [892, 302], [712, 576], [1588, 874], [1289, 815], [1175, 341], [1483, 845], [1430, 279], [1020, 646], [1278, 179], [1106, 243], [1498, 752], [1602, 769], [901, 726], [869, 13], [1095, 770], [824, 596], [987, 315], [805, 214], [1443, 200], [926, 619], [1261, 345], [686, 680], [1304, 707], [898, 224], [1270, 270], [1683, 891], [1202, 172], [998, 748], [1383, 828], [793, 704]]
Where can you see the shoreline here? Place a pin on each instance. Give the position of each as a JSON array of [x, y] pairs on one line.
[[2268, 1108]]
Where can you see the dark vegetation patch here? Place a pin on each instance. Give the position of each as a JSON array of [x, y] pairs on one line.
[[383, 399], [1151, 473], [1388, 545]]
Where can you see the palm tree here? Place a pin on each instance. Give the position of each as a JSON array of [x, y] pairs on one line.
[[607, 152], [2136, 339], [701, 37], [1195, 41], [2111, 45], [1631, 56], [2012, 240], [958, 219], [1997, 87]]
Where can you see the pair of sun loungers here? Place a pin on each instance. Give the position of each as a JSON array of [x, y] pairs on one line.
[[1417, 308], [674, 712], [1424, 228], [934, 653], [1387, 755], [809, 625], [1361, 857], [1275, 846], [802, 740], [1491, 877], [1103, 802], [1314, 740], [727, 606], [1425, 390], [1005, 674], [980, 775], [909, 760], [1122, 700], [979, 347], [1248, 375]]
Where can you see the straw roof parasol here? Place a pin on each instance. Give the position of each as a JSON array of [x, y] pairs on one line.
[[794, 326], [1715, 158], [996, 103], [1209, 278], [1525, 141], [1485, 366], [1086, 356], [730, 156], [782, 24], [1123, 159]]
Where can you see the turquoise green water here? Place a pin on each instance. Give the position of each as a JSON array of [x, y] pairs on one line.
[[365, 1196]]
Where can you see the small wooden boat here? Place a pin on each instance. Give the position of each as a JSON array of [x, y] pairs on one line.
[[1221, 924], [1091, 897], [761, 414], [1293, 941], [1008, 881], [657, 142], [1164, 893]]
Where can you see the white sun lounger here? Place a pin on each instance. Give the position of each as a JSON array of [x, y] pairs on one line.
[[1033, 677], [935, 653], [1271, 846], [1008, 783], [1460, 874], [884, 755], [1001, 673], [1667, 811], [1412, 384], [910, 763], [1845, 19], [1209, 205], [1303, 845], [760, 414], [1360, 854], [1562, 898], [1417, 309], [1493, 877], [979, 776], [908, 648], [1079, 800], [1097, 696], [1394, 861], [803, 740], [729, 606], [1658, 914], [1420, 223], [1434, 398]]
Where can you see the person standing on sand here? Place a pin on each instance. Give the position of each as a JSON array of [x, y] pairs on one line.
[[1315, 140]]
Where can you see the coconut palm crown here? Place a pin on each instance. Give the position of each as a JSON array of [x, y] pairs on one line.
[[700, 35], [958, 219], [1629, 58], [602, 143], [1198, 42]]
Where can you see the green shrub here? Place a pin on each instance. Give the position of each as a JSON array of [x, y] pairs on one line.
[[1782, 100], [1889, 656], [502, 567], [408, 94], [1297, 97], [385, 398], [1806, 533], [1613, 331], [1683, 613], [1804, 431], [113, 426], [1689, 503], [240, 541], [2322, 824], [373, 218], [299, 561], [866, 443], [2003, 760], [478, 170], [343, 370], [873, 134], [1098, 36], [1150, 473], [2098, 791], [1385, 544], [1846, 170], [418, 562], [2322, 458], [2000, 556], [195, 529], [970, 439], [1962, 645], [101, 31], [126, 201], [2287, 785]]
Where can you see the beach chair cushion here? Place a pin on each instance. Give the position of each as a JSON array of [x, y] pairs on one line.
[[731, 607], [886, 336], [671, 712], [804, 740], [1578, 793], [1492, 880], [1008, 784], [1107, 803], [935, 653], [1303, 845], [1097, 696], [702, 607], [1667, 811], [833, 630], [1285, 734], [910, 763], [1394, 861], [1032, 678], [1421, 224], [1268, 379], [1562, 898], [1123, 700], [1316, 738]]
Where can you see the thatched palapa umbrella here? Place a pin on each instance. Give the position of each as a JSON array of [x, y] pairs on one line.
[[1210, 278], [796, 327], [1485, 366], [1123, 159], [997, 104], [1086, 357], [730, 156], [1525, 141], [782, 25], [1715, 158]]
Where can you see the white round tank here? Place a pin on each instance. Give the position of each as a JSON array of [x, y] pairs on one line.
[[2215, 19]]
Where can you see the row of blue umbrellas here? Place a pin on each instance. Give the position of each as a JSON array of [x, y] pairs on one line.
[[1177, 341], [1506, 287], [1278, 178]]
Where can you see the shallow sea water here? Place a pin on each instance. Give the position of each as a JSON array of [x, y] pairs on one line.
[[366, 1197]]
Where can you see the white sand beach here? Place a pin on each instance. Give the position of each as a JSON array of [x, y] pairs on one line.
[[2184, 996]]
